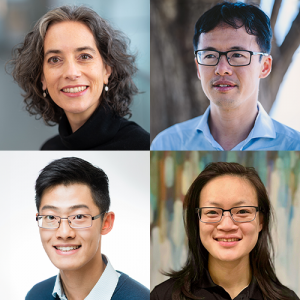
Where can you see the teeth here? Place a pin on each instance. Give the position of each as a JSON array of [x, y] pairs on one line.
[[223, 85], [75, 90], [227, 240], [65, 249]]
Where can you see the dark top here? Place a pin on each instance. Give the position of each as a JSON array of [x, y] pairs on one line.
[[102, 131], [208, 290], [126, 289]]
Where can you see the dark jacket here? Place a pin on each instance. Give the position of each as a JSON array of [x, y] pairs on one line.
[[126, 289], [102, 131]]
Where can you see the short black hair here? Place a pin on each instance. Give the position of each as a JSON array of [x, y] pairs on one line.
[[237, 15], [72, 170]]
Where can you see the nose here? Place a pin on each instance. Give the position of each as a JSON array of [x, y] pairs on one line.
[[223, 67], [65, 231], [227, 224], [72, 70]]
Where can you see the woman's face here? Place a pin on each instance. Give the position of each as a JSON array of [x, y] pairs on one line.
[[226, 192], [73, 70]]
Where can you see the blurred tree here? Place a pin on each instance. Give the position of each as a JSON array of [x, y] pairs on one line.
[[176, 93]]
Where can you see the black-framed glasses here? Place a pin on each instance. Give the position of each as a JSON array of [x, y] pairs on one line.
[[75, 221], [235, 58], [241, 214]]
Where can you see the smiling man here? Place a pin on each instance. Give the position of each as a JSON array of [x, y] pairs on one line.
[[72, 200], [232, 44]]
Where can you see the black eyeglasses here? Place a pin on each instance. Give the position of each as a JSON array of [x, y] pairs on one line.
[[241, 214], [235, 58], [75, 221]]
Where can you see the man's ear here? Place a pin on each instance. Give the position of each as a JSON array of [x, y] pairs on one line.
[[107, 223], [197, 67], [44, 87], [266, 66]]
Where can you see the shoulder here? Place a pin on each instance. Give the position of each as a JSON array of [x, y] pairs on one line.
[[130, 289], [173, 137], [132, 136], [163, 290], [42, 290], [53, 144], [288, 134], [290, 294]]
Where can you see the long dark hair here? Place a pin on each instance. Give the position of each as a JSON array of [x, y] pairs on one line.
[[262, 255]]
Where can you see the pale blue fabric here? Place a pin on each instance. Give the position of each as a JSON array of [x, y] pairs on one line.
[[103, 289], [194, 134]]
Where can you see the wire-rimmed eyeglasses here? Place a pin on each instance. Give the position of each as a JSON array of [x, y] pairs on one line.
[[75, 221], [241, 214], [235, 58]]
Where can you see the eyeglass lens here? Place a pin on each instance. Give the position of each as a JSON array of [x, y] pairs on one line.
[[239, 214], [235, 58], [75, 221]]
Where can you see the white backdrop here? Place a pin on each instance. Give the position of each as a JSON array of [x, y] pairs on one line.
[[23, 260]]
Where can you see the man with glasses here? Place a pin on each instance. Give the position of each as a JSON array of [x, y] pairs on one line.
[[232, 44], [72, 199]]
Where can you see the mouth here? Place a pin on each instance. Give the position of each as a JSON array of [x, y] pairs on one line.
[[75, 89], [223, 85], [228, 240], [67, 249]]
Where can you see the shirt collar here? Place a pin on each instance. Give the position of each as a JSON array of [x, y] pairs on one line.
[[252, 291], [263, 128], [103, 289], [203, 126]]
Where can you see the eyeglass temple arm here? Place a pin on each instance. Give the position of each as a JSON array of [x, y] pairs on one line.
[[98, 216]]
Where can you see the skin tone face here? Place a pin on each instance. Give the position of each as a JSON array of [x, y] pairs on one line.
[[244, 79], [80, 268], [73, 70], [228, 263]]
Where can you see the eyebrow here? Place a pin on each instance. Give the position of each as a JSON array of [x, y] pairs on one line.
[[80, 49], [73, 207], [234, 205], [231, 48]]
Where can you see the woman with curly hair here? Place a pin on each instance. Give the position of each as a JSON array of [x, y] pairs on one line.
[[227, 215], [76, 71]]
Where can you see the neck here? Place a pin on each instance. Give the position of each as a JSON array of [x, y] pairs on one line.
[[232, 276], [231, 126], [77, 284], [76, 120]]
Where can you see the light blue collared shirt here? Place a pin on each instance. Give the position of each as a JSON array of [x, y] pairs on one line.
[[194, 134], [103, 289]]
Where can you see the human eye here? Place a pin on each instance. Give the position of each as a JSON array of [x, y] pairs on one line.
[[243, 211], [54, 60], [49, 218], [79, 217], [238, 54], [85, 56], [210, 55], [211, 212]]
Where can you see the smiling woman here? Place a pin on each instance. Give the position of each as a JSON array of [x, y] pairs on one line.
[[75, 70], [227, 217]]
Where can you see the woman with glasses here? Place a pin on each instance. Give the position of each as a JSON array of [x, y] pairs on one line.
[[227, 217], [77, 72]]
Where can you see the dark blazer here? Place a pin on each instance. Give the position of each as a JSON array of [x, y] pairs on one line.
[[126, 289]]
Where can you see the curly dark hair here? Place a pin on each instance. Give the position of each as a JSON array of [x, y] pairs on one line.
[[113, 46]]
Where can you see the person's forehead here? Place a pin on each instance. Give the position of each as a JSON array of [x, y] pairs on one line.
[[68, 197], [68, 34], [225, 37], [228, 190]]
